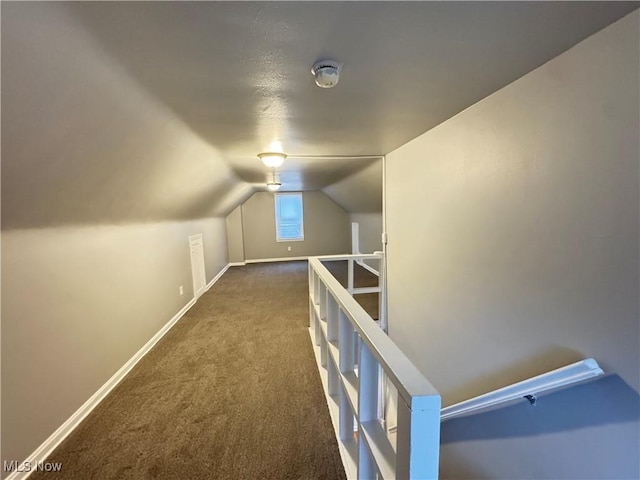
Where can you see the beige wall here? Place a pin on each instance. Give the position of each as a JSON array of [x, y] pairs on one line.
[[101, 187], [77, 303], [513, 250], [326, 228], [235, 241], [370, 234], [370, 230]]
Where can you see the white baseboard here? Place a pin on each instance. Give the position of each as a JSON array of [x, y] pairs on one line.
[[50, 444], [237, 264], [217, 277], [282, 259], [368, 267]]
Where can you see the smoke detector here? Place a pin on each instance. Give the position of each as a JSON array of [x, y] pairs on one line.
[[326, 73]]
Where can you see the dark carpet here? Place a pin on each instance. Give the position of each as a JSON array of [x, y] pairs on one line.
[[231, 392]]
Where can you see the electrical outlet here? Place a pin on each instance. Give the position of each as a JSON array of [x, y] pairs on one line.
[[181, 290], [288, 249]]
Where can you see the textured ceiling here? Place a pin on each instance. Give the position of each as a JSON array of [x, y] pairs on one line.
[[239, 72], [128, 111]]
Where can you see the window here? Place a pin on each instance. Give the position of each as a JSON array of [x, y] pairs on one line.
[[289, 224]]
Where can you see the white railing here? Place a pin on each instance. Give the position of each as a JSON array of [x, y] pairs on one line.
[[351, 351], [528, 389]]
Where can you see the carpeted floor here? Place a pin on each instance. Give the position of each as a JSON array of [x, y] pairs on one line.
[[231, 392]]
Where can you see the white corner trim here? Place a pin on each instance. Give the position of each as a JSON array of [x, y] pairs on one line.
[[368, 267], [217, 277], [237, 264], [282, 259], [56, 438]]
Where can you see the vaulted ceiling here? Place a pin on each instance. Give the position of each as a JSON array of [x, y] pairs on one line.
[[144, 111]]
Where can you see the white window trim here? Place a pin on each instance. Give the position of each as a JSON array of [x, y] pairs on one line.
[[275, 210]]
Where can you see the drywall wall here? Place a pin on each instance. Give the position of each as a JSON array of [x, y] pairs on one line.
[[361, 191], [370, 231], [83, 142], [513, 250], [235, 242], [101, 186], [326, 228], [369, 234], [77, 304]]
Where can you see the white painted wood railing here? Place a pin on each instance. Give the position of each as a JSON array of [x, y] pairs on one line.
[[567, 376], [351, 349]]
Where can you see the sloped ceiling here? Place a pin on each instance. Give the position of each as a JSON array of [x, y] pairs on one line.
[[149, 111], [82, 142], [367, 185]]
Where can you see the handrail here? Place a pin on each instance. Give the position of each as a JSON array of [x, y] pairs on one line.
[[405, 376], [349, 256], [352, 289], [527, 389], [335, 317]]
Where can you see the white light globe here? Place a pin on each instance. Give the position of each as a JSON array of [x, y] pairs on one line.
[[272, 160]]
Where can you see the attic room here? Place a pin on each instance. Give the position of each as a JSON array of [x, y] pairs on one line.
[[493, 146]]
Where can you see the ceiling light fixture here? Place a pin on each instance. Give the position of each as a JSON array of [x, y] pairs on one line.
[[274, 186], [326, 73], [272, 159]]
